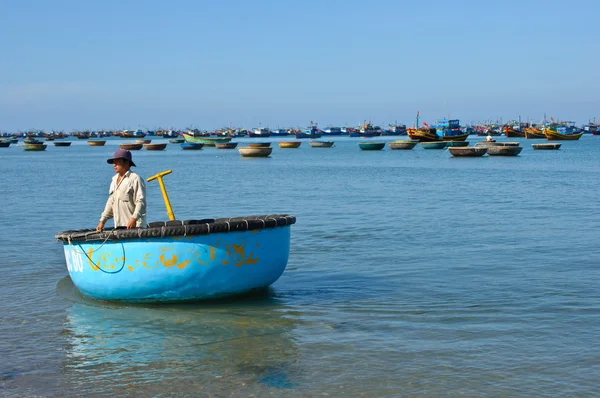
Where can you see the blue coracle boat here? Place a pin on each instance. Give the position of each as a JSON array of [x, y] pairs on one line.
[[179, 260]]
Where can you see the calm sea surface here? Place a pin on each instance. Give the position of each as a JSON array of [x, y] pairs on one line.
[[411, 273]]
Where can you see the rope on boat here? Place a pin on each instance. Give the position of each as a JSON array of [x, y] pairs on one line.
[[95, 250], [103, 270]]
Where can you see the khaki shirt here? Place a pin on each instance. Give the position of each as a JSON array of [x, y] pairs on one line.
[[126, 200]]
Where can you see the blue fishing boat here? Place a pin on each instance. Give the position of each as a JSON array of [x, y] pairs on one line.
[[333, 131], [366, 130], [311, 132], [191, 145], [395, 129], [178, 261], [259, 132]]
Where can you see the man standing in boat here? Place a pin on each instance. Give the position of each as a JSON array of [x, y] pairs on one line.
[[127, 195]]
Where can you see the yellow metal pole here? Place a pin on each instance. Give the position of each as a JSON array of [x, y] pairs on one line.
[[159, 176]]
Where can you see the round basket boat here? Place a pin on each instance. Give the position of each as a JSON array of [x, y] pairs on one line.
[[96, 143], [403, 144], [34, 147], [226, 145], [504, 150], [177, 261], [155, 147], [434, 145], [259, 145], [62, 143], [143, 141], [371, 146], [321, 144], [289, 144], [468, 151], [191, 146], [4, 144], [548, 146], [255, 152], [177, 140], [131, 147]]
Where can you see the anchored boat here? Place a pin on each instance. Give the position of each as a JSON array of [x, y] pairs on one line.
[[179, 260]]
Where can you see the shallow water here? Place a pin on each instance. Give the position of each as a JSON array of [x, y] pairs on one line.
[[410, 273]]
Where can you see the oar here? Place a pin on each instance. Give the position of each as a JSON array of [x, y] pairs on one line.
[[159, 176]]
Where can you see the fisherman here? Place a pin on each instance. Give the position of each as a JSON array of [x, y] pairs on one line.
[[127, 194]]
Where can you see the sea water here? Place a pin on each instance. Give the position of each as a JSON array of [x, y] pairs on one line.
[[411, 273]]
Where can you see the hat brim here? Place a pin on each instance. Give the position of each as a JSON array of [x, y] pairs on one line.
[[112, 160]]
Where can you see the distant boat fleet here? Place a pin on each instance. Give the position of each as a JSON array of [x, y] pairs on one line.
[[443, 130]]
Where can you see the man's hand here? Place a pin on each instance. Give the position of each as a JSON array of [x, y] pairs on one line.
[[131, 223], [100, 226]]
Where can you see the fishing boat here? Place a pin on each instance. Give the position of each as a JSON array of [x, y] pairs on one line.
[[532, 133], [467, 151], [177, 141], [155, 147], [371, 146], [178, 261], [423, 134], [226, 145], [504, 150], [395, 129], [255, 152], [434, 145], [311, 132], [207, 141], [131, 146], [4, 144], [512, 132], [403, 144], [133, 134], [289, 144], [332, 131], [450, 130], [553, 135], [259, 144], [96, 143], [321, 144], [62, 143], [34, 147], [259, 132], [82, 135], [191, 146], [546, 146], [366, 130]]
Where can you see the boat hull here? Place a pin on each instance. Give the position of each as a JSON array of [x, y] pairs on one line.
[[458, 137], [556, 136], [179, 268], [423, 135], [533, 135], [207, 141]]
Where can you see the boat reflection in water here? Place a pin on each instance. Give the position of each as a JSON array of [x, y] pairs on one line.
[[215, 348]]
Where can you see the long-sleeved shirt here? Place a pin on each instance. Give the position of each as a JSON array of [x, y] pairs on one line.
[[126, 199]]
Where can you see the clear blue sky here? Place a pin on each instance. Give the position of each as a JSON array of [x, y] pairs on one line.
[[78, 64]]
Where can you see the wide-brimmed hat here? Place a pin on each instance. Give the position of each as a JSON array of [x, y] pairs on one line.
[[121, 154]]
